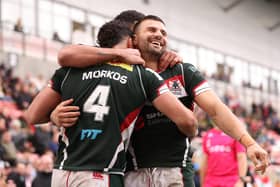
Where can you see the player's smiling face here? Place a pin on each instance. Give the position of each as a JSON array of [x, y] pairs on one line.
[[151, 37]]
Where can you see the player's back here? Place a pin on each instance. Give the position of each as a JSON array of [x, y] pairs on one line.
[[110, 97]]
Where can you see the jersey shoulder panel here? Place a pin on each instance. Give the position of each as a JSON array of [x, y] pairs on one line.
[[57, 79], [153, 83], [195, 82]]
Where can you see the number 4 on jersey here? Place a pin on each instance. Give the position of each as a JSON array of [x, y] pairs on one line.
[[96, 102]]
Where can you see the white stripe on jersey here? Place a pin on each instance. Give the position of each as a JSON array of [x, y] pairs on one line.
[[115, 157], [141, 82], [67, 74], [66, 141], [183, 74], [186, 153], [126, 133], [156, 74], [202, 88], [163, 88], [132, 153]]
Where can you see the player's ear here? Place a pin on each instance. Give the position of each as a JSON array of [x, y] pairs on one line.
[[134, 40], [129, 42]]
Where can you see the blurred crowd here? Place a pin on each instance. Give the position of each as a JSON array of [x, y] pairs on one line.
[[27, 151]]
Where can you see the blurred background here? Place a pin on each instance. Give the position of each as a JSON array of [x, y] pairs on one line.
[[234, 43]]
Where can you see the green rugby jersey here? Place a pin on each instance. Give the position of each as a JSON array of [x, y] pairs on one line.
[[156, 141], [110, 97]]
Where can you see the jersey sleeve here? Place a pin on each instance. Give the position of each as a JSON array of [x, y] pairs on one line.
[[153, 84], [57, 79], [195, 83]]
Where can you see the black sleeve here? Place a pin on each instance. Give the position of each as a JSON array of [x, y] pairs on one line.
[[153, 83], [195, 83], [57, 79]]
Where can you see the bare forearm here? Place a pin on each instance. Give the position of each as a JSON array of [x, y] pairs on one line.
[[220, 113], [32, 118], [83, 55], [242, 164], [231, 125], [227, 122]]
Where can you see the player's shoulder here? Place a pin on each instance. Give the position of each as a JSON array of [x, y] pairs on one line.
[[185, 66], [148, 72], [120, 65], [189, 67], [62, 71]]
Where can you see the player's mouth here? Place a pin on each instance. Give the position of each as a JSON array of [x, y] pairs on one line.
[[157, 44]]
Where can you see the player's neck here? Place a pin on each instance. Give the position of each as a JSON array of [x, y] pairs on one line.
[[152, 65], [151, 61]]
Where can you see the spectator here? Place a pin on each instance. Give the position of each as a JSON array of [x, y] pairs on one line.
[[8, 146], [224, 160], [18, 26], [42, 138], [17, 175], [57, 38], [44, 174], [2, 124]]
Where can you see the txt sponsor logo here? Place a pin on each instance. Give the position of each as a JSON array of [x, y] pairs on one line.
[[90, 133]]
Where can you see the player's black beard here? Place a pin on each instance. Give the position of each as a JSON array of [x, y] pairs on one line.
[[155, 54], [150, 53]]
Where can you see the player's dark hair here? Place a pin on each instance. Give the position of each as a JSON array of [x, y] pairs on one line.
[[130, 16], [113, 32], [148, 17]]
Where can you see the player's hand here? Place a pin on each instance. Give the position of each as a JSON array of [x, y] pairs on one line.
[[169, 58], [130, 56], [65, 115], [259, 157], [239, 183]]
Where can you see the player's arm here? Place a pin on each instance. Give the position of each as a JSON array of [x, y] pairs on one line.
[[184, 118], [40, 109], [232, 126], [83, 56], [204, 160], [202, 169], [241, 163], [242, 166], [41, 106], [221, 114]]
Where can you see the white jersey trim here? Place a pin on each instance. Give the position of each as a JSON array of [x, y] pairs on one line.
[[66, 141], [186, 153], [115, 157], [141, 82], [201, 88], [126, 133], [67, 74]]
